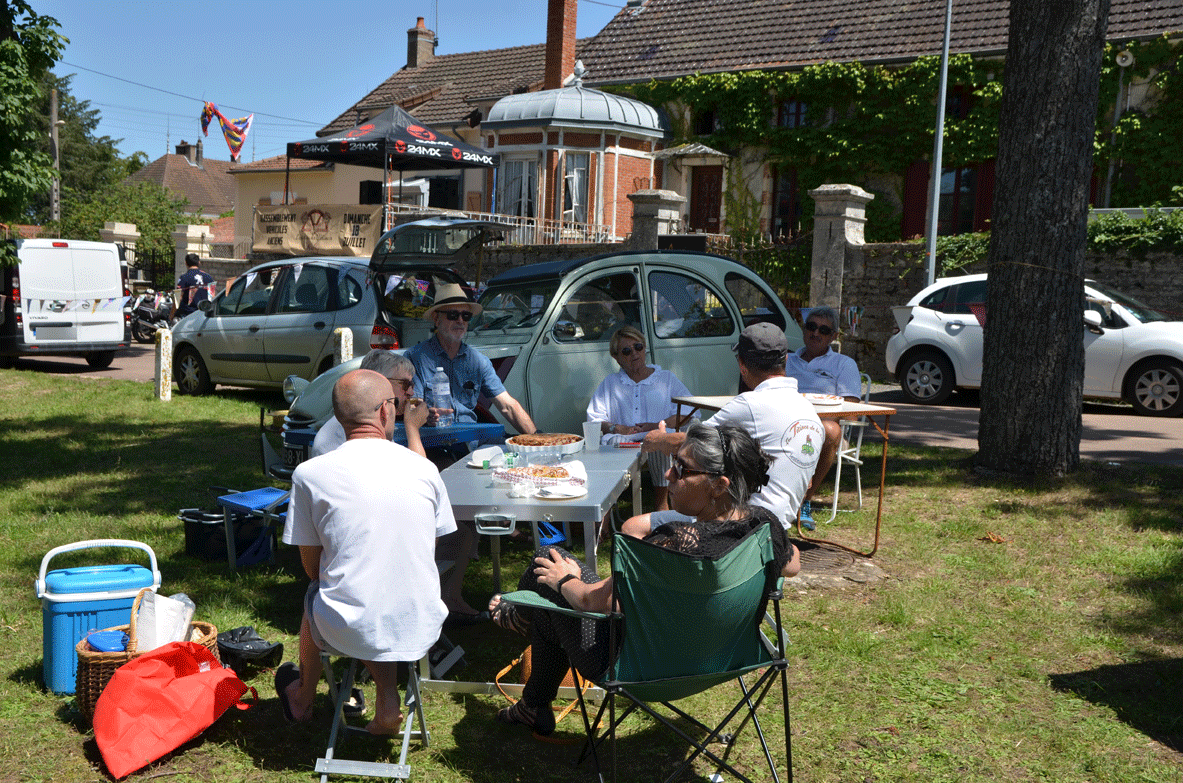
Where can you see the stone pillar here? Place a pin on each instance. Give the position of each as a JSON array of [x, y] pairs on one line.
[[190, 239], [839, 214], [654, 212], [124, 234], [164, 365], [343, 344]]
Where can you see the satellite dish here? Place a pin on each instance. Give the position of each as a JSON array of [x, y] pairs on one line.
[[1125, 59]]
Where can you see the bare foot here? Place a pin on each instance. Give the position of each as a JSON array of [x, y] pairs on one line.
[[386, 727], [301, 712]]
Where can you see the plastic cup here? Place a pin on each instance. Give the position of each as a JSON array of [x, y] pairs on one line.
[[591, 434]]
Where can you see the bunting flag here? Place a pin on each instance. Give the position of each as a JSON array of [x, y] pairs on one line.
[[235, 131]]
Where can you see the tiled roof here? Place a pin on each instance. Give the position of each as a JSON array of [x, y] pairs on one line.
[[280, 163], [438, 91], [222, 229], [209, 187], [669, 38]]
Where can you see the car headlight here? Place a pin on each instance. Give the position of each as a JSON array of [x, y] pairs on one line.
[[293, 387]]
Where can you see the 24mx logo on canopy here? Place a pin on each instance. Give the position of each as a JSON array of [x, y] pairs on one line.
[[419, 132]]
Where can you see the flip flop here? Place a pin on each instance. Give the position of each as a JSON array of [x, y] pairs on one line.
[[285, 675], [356, 706]]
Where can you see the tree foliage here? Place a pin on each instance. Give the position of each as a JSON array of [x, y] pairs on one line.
[[29, 46], [89, 163], [155, 212]]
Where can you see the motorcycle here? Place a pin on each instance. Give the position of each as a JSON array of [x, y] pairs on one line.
[[149, 314]]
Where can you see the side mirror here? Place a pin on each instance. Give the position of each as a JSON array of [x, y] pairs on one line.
[[1092, 321], [205, 306]]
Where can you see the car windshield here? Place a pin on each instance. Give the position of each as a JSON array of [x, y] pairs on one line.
[[1139, 310], [517, 306]]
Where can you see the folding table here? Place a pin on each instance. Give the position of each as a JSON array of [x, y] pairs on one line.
[[847, 410]]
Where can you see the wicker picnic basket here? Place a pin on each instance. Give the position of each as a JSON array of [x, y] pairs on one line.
[[96, 668]]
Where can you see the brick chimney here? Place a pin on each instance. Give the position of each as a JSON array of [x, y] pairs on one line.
[[186, 150], [420, 44], [560, 42], [200, 153]]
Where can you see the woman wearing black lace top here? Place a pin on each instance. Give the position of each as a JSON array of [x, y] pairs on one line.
[[714, 474]]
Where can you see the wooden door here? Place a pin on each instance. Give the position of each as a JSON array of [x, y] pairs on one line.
[[706, 192]]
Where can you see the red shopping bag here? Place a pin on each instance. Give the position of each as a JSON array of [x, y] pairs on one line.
[[159, 701]]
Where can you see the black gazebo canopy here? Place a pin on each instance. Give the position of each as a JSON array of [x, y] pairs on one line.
[[392, 141]]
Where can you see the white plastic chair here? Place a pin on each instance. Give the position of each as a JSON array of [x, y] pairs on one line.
[[850, 451]]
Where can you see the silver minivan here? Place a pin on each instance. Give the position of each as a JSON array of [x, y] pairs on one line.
[[546, 327]]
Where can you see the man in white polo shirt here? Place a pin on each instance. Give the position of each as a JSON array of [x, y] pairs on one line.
[[774, 413], [818, 369]]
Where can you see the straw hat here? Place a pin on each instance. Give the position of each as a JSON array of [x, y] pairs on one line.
[[451, 295]]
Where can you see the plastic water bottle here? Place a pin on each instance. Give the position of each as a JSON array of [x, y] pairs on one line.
[[441, 396]]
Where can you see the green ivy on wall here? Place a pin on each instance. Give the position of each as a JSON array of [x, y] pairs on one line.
[[867, 125]]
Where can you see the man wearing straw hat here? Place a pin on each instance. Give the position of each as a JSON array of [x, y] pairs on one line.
[[470, 374], [469, 371]]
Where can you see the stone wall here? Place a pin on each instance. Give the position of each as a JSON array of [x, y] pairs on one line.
[[877, 277]]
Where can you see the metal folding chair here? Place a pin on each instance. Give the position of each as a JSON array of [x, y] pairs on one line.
[[850, 451], [340, 693]]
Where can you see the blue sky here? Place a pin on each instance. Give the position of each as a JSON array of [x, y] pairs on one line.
[[147, 65]]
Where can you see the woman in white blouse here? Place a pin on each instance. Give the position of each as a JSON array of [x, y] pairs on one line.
[[635, 399]]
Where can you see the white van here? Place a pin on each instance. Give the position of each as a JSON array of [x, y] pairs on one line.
[[66, 297]]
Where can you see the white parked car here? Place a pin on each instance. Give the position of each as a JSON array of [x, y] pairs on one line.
[[1132, 352]]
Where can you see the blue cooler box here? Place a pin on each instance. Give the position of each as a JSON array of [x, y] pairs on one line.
[[75, 601]]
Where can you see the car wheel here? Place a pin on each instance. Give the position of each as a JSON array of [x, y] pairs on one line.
[[100, 360], [1156, 389], [189, 369], [927, 378]]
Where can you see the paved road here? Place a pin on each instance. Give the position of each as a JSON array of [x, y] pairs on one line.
[[1112, 433]]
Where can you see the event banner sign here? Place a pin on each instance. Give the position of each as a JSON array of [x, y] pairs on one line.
[[318, 229]]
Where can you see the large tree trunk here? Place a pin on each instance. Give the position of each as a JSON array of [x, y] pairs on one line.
[[1033, 357]]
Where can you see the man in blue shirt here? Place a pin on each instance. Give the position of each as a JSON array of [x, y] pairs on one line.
[[194, 285], [469, 372]]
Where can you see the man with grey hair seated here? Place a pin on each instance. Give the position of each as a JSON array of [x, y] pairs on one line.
[[818, 369], [399, 370]]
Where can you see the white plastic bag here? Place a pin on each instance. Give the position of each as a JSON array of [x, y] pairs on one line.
[[162, 620]]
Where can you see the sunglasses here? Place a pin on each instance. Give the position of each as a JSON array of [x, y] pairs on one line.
[[823, 330], [638, 347], [392, 400], [404, 383], [455, 314], [680, 470]]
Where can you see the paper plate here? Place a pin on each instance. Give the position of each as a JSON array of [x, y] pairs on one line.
[[824, 400], [561, 492]]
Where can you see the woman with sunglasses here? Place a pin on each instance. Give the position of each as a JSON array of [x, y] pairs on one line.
[[636, 399], [713, 475]]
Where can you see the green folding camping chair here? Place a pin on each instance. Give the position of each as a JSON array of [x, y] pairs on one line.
[[686, 624]]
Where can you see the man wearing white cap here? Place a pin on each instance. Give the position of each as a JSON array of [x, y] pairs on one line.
[[774, 413], [469, 371]]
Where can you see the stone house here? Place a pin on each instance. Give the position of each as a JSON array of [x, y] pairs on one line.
[[574, 156]]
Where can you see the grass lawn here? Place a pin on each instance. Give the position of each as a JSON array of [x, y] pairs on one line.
[[1029, 632]]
